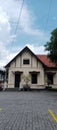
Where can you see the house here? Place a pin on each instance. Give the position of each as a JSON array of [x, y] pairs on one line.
[[39, 68]]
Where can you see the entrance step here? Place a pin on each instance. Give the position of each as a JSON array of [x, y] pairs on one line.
[[12, 89]]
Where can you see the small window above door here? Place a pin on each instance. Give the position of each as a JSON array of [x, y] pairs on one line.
[[26, 61]]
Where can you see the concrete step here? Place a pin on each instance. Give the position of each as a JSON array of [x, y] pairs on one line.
[[12, 89]]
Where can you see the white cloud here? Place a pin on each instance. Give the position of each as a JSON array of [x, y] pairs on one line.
[[5, 55], [27, 25], [27, 19], [37, 49], [3, 16], [12, 7], [9, 12], [5, 27]]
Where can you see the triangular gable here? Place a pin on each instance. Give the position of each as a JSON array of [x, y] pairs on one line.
[[23, 50], [43, 59]]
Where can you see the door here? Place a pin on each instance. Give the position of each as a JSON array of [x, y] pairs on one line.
[[50, 78], [17, 80], [34, 78]]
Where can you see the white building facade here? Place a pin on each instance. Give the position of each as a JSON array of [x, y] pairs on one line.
[[27, 64]]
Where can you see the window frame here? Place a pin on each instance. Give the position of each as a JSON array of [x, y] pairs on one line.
[[26, 61]]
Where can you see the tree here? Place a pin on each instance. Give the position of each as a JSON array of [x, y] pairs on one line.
[[51, 46]]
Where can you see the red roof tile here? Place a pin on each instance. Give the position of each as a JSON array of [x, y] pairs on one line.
[[46, 61]]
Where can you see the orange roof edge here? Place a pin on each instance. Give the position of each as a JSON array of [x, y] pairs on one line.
[[46, 61]]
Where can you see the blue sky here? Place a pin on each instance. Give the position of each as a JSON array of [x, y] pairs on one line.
[[38, 19]]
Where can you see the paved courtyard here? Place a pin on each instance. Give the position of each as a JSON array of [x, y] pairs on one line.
[[28, 110]]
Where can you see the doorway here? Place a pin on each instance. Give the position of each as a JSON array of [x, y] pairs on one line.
[[34, 78], [50, 78], [17, 80]]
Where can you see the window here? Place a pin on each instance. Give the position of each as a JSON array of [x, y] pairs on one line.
[[50, 78], [26, 61], [34, 78]]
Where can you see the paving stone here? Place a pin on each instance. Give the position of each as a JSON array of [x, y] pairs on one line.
[[27, 110]]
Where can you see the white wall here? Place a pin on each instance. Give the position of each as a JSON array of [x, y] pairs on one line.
[[17, 65], [55, 78]]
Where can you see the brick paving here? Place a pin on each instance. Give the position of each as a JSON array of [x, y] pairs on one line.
[[27, 110]]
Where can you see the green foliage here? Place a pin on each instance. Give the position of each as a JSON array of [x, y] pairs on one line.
[[51, 46]]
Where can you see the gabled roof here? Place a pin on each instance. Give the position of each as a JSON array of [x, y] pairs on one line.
[[23, 50], [46, 61]]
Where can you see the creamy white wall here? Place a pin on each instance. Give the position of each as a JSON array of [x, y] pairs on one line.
[[25, 55], [55, 78], [34, 62], [12, 64], [41, 78], [11, 79], [17, 65]]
